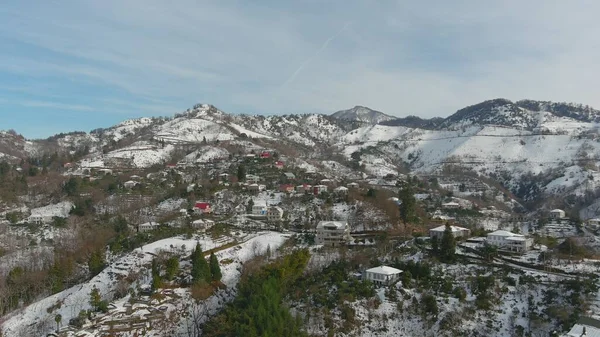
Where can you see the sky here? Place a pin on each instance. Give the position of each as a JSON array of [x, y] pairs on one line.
[[81, 64]]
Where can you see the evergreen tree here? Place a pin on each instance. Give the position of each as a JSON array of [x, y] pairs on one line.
[[448, 246], [435, 245], [215, 270], [241, 173], [58, 319], [200, 269], [408, 202], [172, 267], [156, 279], [95, 298], [96, 262]]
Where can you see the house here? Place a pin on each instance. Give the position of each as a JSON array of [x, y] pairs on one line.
[[202, 224], [326, 181], [585, 327], [224, 176], [457, 232], [557, 214], [68, 165], [240, 209], [593, 223], [106, 172], [274, 214], [332, 233], [39, 219], [252, 179], [260, 210], [279, 164], [353, 185], [171, 166], [130, 184], [340, 190], [287, 188], [304, 188], [265, 155], [382, 275], [256, 187], [506, 240], [148, 226], [451, 205], [202, 208], [135, 177], [289, 175], [318, 189]]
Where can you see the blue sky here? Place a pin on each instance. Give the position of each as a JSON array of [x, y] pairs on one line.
[[79, 65]]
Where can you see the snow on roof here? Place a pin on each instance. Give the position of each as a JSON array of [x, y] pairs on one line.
[[504, 233], [336, 224], [556, 210], [591, 325], [385, 270], [453, 228]]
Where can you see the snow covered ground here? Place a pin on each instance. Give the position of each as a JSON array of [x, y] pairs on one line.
[[38, 318]]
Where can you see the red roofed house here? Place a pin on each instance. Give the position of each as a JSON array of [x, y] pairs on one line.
[[171, 166], [202, 208], [265, 154], [279, 164], [287, 188]]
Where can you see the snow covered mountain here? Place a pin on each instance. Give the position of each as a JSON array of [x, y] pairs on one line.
[[362, 114], [533, 148]]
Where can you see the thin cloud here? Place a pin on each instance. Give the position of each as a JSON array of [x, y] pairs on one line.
[[63, 106], [315, 55]]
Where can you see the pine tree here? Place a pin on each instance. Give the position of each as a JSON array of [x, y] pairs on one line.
[[200, 269], [215, 270], [448, 246], [58, 319], [241, 173], [95, 298], [408, 202], [172, 267]]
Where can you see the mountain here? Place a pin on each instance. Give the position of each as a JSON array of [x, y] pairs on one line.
[[362, 114], [415, 122], [533, 148]]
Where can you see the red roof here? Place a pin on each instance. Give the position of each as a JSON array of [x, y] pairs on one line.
[[202, 205], [265, 155], [278, 163]]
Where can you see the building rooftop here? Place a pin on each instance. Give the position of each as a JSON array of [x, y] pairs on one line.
[[505, 233], [330, 224], [385, 270], [453, 228]]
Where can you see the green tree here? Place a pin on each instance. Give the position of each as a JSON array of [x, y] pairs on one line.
[[241, 173], [200, 268], [71, 187], [408, 203], [58, 319], [172, 267], [95, 298], [96, 262], [215, 270], [448, 246], [156, 279]]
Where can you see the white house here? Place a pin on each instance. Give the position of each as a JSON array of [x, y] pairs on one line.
[[274, 214], [39, 219], [148, 226], [318, 189], [382, 275], [509, 241], [341, 190], [594, 223], [130, 184], [457, 232], [252, 179], [259, 210], [202, 224], [353, 185], [557, 214], [256, 187], [332, 233], [451, 205]]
